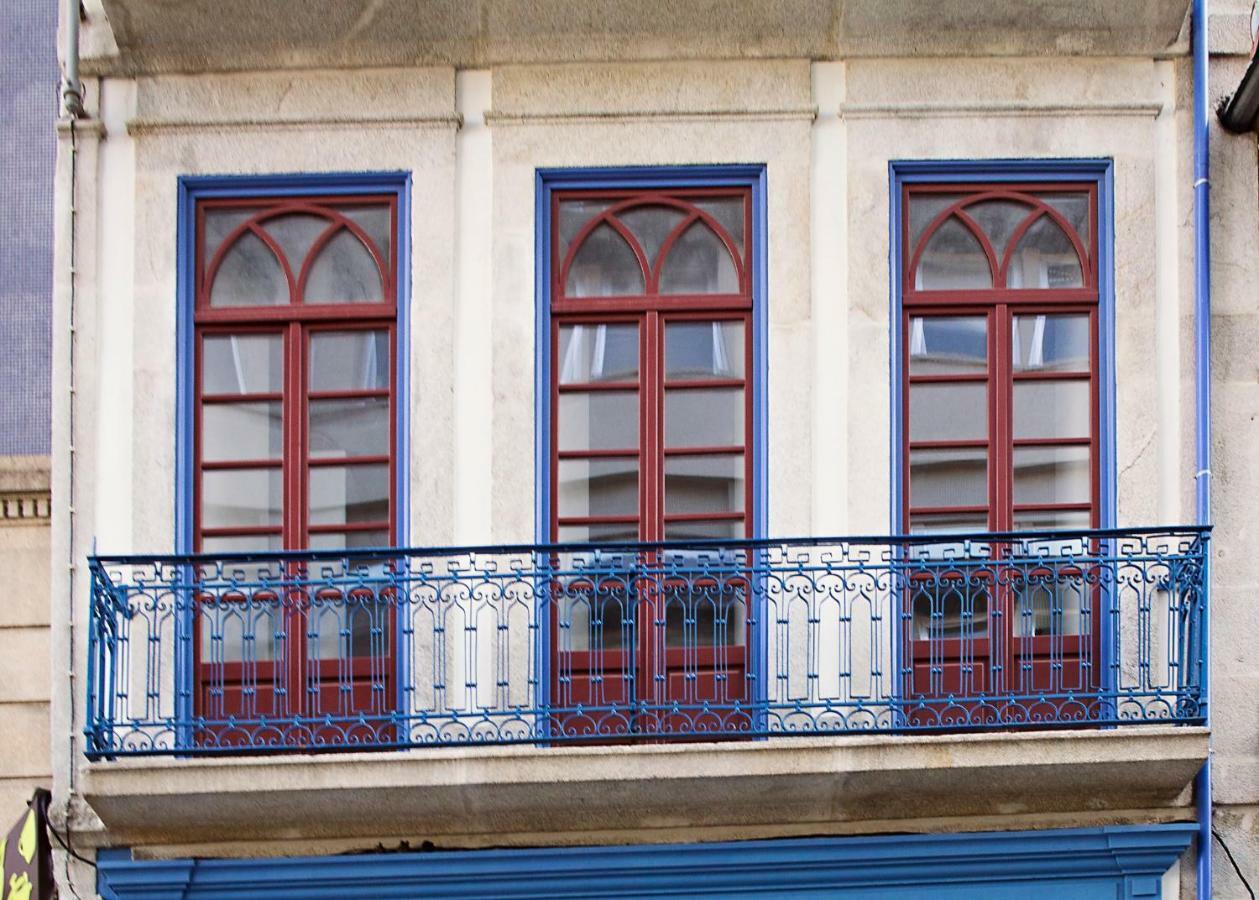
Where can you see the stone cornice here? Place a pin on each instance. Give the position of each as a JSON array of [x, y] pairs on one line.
[[25, 507], [24, 489]]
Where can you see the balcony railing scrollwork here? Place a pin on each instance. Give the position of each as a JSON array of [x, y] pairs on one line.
[[613, 643]]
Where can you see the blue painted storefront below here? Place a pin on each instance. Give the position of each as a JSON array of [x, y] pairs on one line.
[[1110, 862]]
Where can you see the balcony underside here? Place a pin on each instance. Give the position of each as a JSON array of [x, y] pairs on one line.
[[521, 795], [209, 35]]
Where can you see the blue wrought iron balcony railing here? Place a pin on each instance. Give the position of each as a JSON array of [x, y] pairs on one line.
[[551, 644]]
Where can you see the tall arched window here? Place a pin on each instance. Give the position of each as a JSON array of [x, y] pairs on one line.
[[651, 399], [1000, 367], [294, 437]]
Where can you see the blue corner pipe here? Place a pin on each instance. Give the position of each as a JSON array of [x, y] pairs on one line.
[[1202, 392]]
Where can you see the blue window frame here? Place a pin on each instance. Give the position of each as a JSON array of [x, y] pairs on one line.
[[338, 215], [957, 322], [680, 193]]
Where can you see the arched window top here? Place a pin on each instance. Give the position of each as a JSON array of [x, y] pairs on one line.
[[653, 244], [1000, 238], [286, 252]]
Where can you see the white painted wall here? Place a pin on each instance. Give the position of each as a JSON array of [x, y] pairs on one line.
[[826, 132]]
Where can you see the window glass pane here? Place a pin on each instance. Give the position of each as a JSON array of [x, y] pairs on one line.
[[1054, 343], [698, 263], [953, 260], [948, 412], [602, 420], [241, 497], [948, 345], [218, 223], [604, 266], [1074, 207], [261, 572], [377, 221], [1044, 258], [249, 275], [358, 427], [245, 543], [726, 529], [250, 629], [998, 219], [948, 477], [948, 523], [349, 360], [650, 225], [349, 494], [705, 615], [592, 353], [1050, 604], [704, 418], [241, 431], [599, 617], [697, 350], [923, 208], [1053, 520], [704, 484], [598, 487], [573, 215], [1052, 475], [617, 533], [949, 606], [296, 233], [349, 540], [344, 272], [242, 364], [344, 626], [964, 523], [729, 213], [1051, 409]]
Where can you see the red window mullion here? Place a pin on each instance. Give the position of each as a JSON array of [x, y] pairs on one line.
[[651, 426], [1000, 430], [294, 504], [294, 438]]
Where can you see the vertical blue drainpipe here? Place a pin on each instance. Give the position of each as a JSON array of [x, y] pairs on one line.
[[1202, 390]]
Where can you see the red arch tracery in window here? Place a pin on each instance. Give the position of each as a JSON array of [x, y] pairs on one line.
[[337, 222], [1037, 209], [651, 271]]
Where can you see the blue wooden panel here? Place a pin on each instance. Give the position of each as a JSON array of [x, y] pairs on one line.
[[1075, 864]]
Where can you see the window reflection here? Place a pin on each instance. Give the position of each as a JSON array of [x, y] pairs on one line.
[[948, 345], [953, 260], [1051, 342]]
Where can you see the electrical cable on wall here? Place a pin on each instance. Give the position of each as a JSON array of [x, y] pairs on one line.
[[72, 105]]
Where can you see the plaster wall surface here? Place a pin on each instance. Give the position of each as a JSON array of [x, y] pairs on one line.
[[826, 133], [26, 665], [1235, 480]]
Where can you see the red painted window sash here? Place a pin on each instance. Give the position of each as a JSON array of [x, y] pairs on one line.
[[999, 306], [295, 323], [650, 313]]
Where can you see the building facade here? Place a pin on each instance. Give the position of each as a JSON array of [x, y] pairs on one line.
[[28, 149], [567, 450]]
